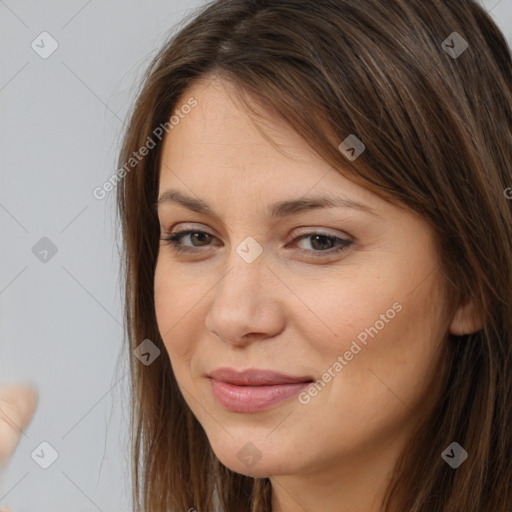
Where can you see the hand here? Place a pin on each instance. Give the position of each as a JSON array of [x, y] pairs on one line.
[[17, 406]]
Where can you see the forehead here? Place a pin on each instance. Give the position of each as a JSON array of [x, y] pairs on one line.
[[217, 151], [220, 135], [220, 123]]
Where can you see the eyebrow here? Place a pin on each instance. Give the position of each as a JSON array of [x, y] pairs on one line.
[[277, 210]]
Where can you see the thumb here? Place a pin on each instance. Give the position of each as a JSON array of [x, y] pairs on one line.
[[17, 406]]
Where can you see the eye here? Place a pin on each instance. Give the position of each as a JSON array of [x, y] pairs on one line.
[[333, 244], [175, 240], [318, 241]]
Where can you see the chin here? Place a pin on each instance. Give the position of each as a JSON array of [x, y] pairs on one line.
[[254, 459], [259, 470]]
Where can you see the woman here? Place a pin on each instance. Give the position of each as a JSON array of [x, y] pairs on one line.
[[318, 239]]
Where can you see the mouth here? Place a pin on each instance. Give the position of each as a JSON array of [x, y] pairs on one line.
[[254, 390]]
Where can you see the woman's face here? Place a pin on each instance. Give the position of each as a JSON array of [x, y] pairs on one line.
[[356, 334]]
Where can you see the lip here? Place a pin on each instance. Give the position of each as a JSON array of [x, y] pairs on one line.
[[254, 389]]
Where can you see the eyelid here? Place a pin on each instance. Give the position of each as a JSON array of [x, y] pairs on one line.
[[302, 230], [323, 231], [344, 241]]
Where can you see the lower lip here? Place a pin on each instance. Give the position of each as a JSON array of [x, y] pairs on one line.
[[254, 398]]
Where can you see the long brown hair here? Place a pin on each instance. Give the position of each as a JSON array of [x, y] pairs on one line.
[[437, 126]]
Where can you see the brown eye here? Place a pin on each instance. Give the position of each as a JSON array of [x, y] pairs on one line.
[[197, 238], [322, 244]]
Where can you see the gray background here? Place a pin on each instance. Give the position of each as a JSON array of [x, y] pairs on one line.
[[60, 320]]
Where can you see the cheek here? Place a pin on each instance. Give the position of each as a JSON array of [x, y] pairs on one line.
[[175, 298], [381, 325], [335, 310], [398, 350]]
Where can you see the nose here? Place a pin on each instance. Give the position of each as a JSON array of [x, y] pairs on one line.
[[246, 305]]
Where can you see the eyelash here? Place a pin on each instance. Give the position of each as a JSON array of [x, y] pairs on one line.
[[174, 241]]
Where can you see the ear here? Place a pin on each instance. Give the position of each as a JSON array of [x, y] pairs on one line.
[[466, 319]]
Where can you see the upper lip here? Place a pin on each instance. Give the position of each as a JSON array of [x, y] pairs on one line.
[[254, 377]]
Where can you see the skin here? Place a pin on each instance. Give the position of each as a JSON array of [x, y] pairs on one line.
[[17, 406], [294, 313]]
